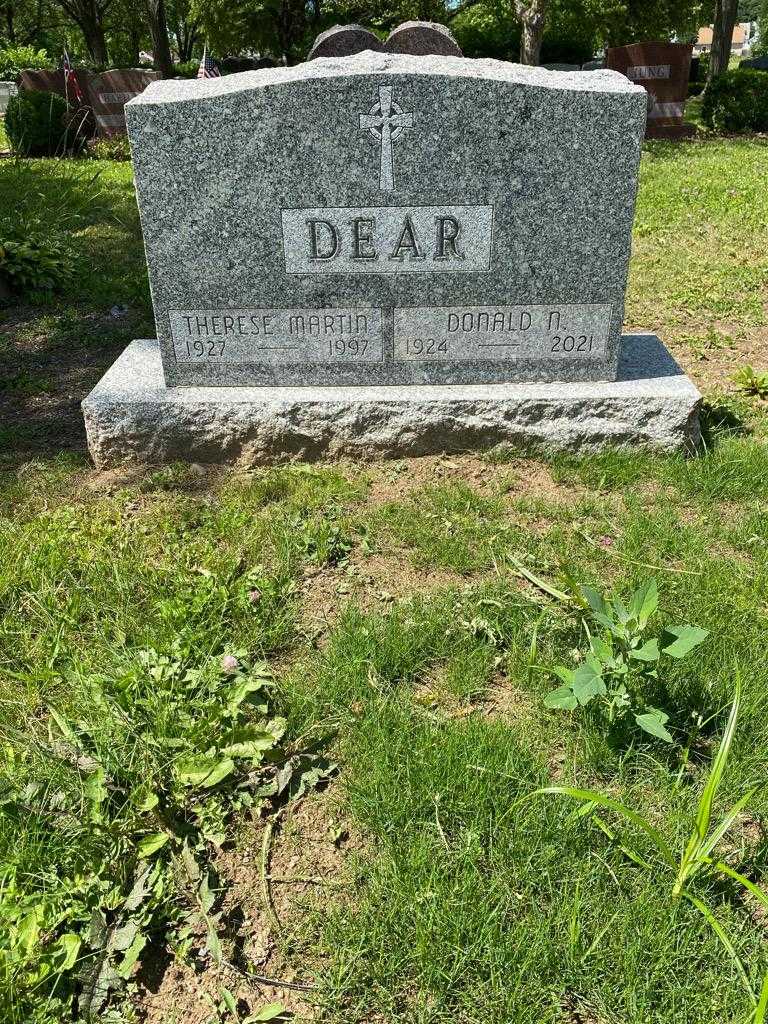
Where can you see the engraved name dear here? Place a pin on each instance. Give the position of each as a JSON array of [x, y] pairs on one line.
[[388, 239]]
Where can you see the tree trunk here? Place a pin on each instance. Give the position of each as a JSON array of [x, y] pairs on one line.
[[10, 29], [161, 48], [95, 40], [292, 23], [186, 37], [722, 34], [88, 15], [532, 15], [134, 43]]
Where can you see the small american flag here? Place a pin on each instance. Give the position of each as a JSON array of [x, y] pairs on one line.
[[208, 68], [70, 79]]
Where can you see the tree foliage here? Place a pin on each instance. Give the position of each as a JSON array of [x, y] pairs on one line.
[[114, 32]]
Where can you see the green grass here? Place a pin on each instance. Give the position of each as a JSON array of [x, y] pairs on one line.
[[467, 907]]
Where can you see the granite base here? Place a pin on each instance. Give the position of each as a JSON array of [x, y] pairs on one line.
[[670, 132], [131, 416]]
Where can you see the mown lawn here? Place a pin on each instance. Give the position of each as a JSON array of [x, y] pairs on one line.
[[384, 612]]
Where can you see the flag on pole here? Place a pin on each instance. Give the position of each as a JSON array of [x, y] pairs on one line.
[[208, 68], [70, 79]]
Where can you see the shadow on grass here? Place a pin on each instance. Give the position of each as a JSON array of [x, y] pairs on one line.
[[48, 365], [720, 420]]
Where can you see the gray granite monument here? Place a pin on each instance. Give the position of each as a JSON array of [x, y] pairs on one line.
[[377, 245], [388, 219]]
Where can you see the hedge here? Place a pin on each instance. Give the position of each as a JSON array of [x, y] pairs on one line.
[[737, 101]]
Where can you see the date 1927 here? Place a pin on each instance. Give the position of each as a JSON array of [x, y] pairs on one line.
[[205, 348]]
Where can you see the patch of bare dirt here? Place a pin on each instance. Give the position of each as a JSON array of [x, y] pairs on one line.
[[306, 871], [505, 701], [396, 481], [712, 361], [577, 1011], [372, 581]]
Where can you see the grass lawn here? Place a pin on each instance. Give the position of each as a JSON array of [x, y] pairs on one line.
[[277, 724]]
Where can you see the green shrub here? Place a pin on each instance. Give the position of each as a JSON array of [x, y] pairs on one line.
[[187, 69], [18, 58], [33, 265], [114, 147], [737, 101], [39, 124]]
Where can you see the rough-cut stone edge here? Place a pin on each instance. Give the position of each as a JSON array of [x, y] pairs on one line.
[[345, 32], [428, 29], [132, 417], [369, 63]]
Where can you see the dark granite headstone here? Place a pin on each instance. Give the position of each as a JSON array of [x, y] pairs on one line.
[[421, 38], [235, 65], [343, 41], [757, 63], [53, 81], [81, 114], [662, 69], [593, 65], [110, 92]]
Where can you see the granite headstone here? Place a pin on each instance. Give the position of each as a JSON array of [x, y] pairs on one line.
[[423, 38], [343, 41], [388, 219], [756, 63], [110, 91], [663, 70], [7, 89]]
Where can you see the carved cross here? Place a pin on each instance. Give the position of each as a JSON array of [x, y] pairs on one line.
[[386, 122]]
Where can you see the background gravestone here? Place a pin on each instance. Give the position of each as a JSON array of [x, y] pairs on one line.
[[343, 41], [389, 219], [663, 70], [422, 38], [104, 95], [419, 38], [759, 63], [110, 91], [53, 81], [7, 89]]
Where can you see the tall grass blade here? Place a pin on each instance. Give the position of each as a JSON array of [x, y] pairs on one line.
[[604, 801], [726, 823], [755, 890], [693, 850], [720, 932], [762, 1005]]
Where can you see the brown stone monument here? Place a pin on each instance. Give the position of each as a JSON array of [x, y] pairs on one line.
[[662, 69], [110, 91], [104, 95]]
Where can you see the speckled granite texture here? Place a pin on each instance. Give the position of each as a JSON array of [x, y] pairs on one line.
[[223, 165], [132, 417]]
